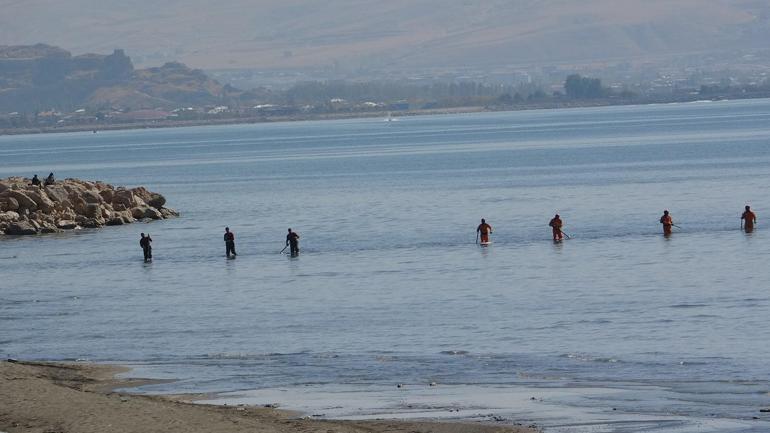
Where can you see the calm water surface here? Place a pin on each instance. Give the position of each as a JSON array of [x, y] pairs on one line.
[[391, 288]]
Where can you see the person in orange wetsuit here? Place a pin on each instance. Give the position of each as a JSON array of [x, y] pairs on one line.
[[555, 225], [667, 222], [484, 230], [748, 220]]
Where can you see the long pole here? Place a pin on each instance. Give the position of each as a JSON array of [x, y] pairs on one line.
[[477, 237], [284, 249], [562, 232]]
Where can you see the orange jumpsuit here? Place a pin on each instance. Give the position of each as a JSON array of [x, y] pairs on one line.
[[556, 228], [667, 222], [484, 229], [748, 218]]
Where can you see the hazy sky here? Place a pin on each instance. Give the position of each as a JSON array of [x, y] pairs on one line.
[[394, 34]]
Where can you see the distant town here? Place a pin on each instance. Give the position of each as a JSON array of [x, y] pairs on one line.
[[46, 89]]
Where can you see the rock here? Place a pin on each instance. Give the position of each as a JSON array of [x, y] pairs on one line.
[[142, 193], [115, 221], [123, 198], [156, 200], [41, 200], [9, 203], [93, 210], [168, 212], [23, 199], [91, 197], [21, 228], [152, 213], [49, 228], [9, 216], [92, 223], [79, 205], [73, 203], [67, 224], [138, 212], [56, 193], [107, 195]]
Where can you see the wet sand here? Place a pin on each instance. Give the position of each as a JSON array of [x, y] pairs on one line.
[[63, 398]]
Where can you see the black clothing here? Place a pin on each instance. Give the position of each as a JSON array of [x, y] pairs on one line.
[[229, 244], [292, 239], [146, 244], [35, 180]]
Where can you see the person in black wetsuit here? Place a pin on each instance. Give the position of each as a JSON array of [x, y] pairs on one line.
[[49, 180], [146, 243], [292, 239], [35, 181], [229, 242]]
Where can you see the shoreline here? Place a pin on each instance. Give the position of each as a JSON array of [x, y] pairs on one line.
[[42, 397], [250, 120]]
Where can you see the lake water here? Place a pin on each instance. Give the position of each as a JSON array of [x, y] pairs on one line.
[[618, 329]]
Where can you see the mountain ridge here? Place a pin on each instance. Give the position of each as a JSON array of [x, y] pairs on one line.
[[400, 34]]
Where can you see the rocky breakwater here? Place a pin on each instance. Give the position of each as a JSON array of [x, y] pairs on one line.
[[27, 209]]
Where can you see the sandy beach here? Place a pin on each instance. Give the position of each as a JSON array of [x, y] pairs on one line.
[[63, 398]]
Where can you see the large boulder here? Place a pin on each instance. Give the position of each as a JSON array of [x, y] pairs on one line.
[[141, 212], [142, 193], [41, 200], [25, 202], [93, 210], [9, 204], [92, 223], [48, 227], [153, 213], [168, 212], [67, 225], [124, 199], [107, 195], [21, 228], [57, 193], [91, 197], [156, 200], [115, 221]]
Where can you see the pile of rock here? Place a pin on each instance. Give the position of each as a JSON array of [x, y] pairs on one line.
[[27, 209]]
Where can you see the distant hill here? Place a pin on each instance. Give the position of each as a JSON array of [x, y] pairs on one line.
[[390, 34], [42, 77]]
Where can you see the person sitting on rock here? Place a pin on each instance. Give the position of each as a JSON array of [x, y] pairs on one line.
[[35, 181], [49, 180]]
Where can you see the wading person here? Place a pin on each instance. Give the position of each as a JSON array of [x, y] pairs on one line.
[[667, 222], [748, 219], [555, 225], [484, 230], [292, 240], [146, 243], [229, 243]]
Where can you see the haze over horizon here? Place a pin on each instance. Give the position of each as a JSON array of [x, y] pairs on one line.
[[395, 35]]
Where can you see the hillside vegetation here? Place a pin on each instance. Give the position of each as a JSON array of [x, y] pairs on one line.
[[43, 77]]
